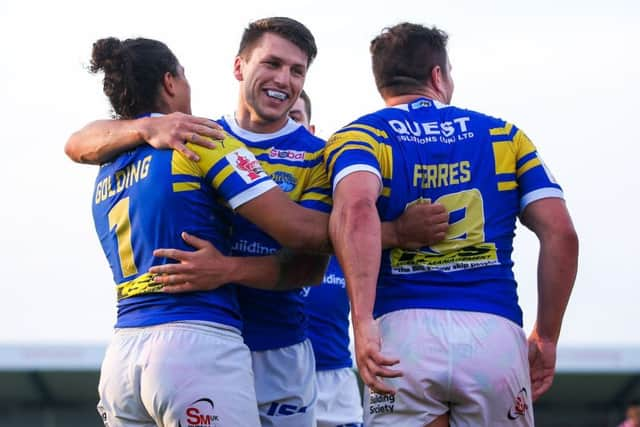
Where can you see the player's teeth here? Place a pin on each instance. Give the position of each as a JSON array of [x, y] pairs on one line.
[[278, 95]]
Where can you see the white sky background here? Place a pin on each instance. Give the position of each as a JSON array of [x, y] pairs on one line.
[[567, 73]]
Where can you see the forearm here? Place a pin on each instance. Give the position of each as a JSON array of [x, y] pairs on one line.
[[284, 271], [356, 234], [389, 235], [557, 267], [103, 140]]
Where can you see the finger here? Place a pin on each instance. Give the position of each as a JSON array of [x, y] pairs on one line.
[[173, 254], [179, 288], [379, 370], [379, 359], [171, 279], [206, 142], [378, 386], [194, 241], [182, 148]]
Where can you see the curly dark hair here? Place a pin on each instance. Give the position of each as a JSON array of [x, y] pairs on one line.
[[133, 72]]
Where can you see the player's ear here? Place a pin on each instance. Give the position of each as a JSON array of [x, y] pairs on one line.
[[238, 68], [168, 83], [312, 129], [436, 78]]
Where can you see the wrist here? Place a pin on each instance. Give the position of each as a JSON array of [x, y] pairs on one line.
[[142, 128]]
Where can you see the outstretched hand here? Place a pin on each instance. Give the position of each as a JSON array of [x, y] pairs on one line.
[[176, 129], [542, 364], [200, 270], [372, 365], [422, 224]]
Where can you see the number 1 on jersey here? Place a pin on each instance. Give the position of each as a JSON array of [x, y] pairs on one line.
[[119, 219]]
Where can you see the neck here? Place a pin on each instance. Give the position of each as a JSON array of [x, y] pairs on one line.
[[250, 120], [425, 92]]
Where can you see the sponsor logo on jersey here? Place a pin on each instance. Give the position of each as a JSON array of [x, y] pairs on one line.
[[381, 403], [285, 180], [304, 291], [293, 155], [246, 165], [446, 132], [520, 406], [421, 103], [333, 279], [199, 414]]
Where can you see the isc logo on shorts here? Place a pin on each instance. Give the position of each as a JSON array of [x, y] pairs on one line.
[[277, 409]]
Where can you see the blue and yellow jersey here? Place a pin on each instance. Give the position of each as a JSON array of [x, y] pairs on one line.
[[294, 159], [145, 198], [328, 311], [482, 169]]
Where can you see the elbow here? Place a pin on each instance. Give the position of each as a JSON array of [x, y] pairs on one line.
[[79, 154]]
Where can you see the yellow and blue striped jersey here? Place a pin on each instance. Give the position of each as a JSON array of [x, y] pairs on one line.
[[294, 159], [482, 169], [145, 198]]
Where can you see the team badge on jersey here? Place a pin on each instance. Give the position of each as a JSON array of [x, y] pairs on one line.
[[247, 166], [285, 180]]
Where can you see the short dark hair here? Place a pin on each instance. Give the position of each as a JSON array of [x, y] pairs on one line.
[[133, 72], [287, 28], [403, 56], [307, 103]]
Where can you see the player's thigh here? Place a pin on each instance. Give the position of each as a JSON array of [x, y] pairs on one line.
[[286, 386], [339, 403], [199, 375], [417, 338], [491, 381]]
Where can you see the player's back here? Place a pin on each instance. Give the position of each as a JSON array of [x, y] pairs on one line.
[[481, 169], [143, 200]]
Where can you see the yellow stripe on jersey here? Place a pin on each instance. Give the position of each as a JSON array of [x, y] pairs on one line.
[[507, 185], [222, 175], [180, 165], [386, 192], [371, 129], [385, 159], [351, 136], [523, 145], [185, 186], [528, 165], [506, 130], [504, 156]]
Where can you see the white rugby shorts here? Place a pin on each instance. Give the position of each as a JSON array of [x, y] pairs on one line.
[[339, 403], [180, 373], [472, 365], [285, 385]]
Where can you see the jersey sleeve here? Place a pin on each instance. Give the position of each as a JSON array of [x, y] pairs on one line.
[[317, 192], [357, 147], [518, 161], [230, 169]]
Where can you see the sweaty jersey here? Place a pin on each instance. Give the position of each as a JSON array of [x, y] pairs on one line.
[[328, 311], [145, 198], [294, 159], [482, 169]]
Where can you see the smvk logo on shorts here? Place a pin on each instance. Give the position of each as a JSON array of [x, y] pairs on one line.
[[200, 414], [520, 406]]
